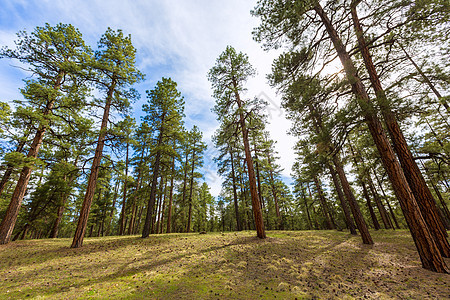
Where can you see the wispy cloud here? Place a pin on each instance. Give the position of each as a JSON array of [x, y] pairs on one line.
[[174, 38]]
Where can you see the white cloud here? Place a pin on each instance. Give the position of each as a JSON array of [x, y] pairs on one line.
[[175, 38]]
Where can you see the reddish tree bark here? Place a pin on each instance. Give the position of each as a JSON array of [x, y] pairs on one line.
[[323, 203], [428, 251], [256, 205], [419, 188], [92, 182], [9, 221], [344, 206]]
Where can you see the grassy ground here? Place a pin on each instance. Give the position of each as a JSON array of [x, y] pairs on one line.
[[286, 265]]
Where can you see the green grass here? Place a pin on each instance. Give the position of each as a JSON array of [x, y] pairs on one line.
[[286, 265]]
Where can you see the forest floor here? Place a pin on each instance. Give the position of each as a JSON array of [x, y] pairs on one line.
[[286, 265]]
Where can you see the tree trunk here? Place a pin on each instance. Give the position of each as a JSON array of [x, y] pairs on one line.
[[373, 216], [387, 200], [169, 209], [10, 218], [428, 251], [162, 198], [183, 201], [132, 221], [360, 222], [235, 197], [161, 222], [324, 205], [99, 229], [274, 192], [154, 228], [305, 200], [348, 218], [258, 179], [111, 213], [124, 198], [315, 218], [367, 178], [191, 188], [59, 215], [25, 231], [380, 206], [257, 214], [92, 182], [151, 201], [91, 230], [417, 184], [138, 222]]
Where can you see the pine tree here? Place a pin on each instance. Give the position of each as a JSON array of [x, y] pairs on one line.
[[115, 72], [414, 177], [227, 77], [270, 31], [164, 114], [196, 149], [57, 57]]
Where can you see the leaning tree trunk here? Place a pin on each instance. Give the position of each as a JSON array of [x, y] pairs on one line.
[[326, 212], [386, 198], [348, 218], [10, 218], [383, 213], [365, 176], [354, 207], [414, 177], [257, 214], [360, 222], [92, 182], [373, 216], [428, 251]]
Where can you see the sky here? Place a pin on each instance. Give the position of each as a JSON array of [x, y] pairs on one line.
[[180, 39]]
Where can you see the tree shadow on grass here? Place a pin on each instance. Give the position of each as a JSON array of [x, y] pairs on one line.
[[239, 266], [28, 252]]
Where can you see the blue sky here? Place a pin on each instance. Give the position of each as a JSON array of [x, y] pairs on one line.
[[180, 39]]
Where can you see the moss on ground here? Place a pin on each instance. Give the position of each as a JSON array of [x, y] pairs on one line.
[[286, 265]]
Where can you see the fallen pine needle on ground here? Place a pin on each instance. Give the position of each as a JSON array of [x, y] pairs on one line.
[[236, 265]]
